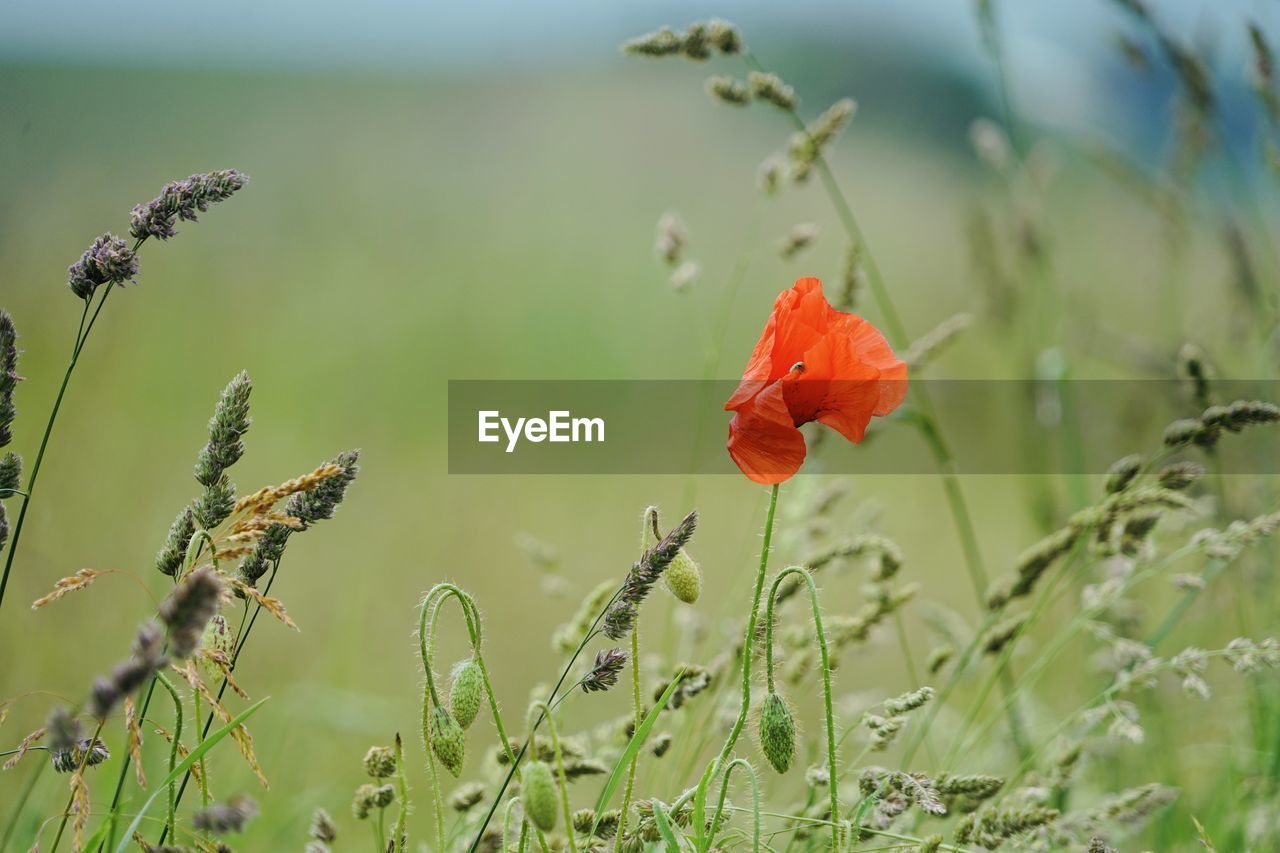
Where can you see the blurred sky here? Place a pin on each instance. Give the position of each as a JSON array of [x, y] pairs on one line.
[[1063, 48]]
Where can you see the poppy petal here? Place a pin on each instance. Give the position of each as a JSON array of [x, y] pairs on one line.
[[763, 441]]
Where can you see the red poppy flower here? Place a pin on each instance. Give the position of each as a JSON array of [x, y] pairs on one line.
[[812, 363]]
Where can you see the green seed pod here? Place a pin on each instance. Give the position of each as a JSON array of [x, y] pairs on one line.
[[467, 692], [539, 796], [684, 578], [448, 741], [777, 732]]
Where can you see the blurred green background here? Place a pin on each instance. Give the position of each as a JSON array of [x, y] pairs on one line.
[[494, 219]]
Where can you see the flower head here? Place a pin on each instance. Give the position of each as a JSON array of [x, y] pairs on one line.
[[184, 200], [812, 363], [108, 261]]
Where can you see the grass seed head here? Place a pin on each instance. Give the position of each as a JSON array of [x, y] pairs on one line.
[[109, 260], [380, 762], [729, 90], [229, 816], [770, 89], [183, 200]]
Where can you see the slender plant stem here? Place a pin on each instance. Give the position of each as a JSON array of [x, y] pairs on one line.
[[637, 715], [755, 798], [562, 778], [173, 749]]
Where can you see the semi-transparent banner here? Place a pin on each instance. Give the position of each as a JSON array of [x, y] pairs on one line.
[[989, 427]]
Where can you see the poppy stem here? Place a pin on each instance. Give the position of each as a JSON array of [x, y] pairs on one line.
[[748, 641]]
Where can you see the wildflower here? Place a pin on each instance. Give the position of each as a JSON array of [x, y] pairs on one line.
[[727, 90], [777, 732], [189, 608], [182, 200], [812, 362], [770, 89], [448, 741], [108, 261], [683, 578], [380, 762], [621, 615], [798, 239], [466, 797], [9, 379], [604, 672], [466, 692], [539, 796], [222, 818]]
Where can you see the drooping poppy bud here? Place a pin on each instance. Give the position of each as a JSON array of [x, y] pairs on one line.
[[777, 732], [684, 578], [467, 692], [538, 795], [448, 741]]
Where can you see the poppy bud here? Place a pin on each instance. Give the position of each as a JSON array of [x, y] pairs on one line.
[[467, 692], [777, 732], [684, 578], [538, 795], [448, 741]]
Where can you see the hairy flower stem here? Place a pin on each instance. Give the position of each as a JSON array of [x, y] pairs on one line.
[[173, 749], [755, 798], [927, 418], [827, 707], [82, 335], [748, 643]]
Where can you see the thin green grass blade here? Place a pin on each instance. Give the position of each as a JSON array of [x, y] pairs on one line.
[[633, 749], [182, 767], [664, 826]]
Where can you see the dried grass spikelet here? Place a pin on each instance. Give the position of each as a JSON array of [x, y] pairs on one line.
[[927, 348], [80, 807], [239, 734], [267, 497], [24, 746], [269, 604], [68, 585], [134, 739]]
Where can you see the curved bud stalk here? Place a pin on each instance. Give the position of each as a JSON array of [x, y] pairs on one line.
[[442, 731]]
